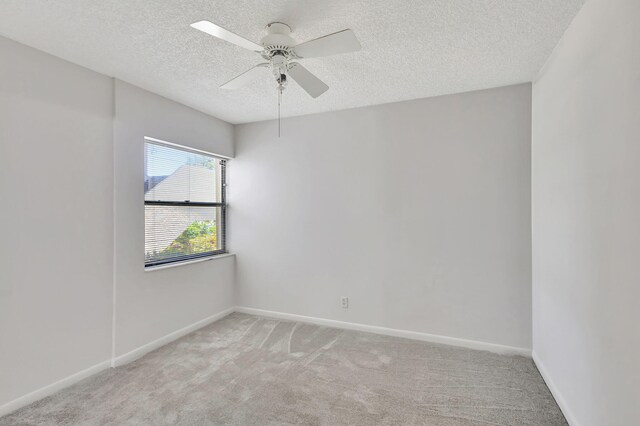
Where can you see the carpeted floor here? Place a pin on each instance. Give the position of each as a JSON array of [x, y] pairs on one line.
[[246, 370]]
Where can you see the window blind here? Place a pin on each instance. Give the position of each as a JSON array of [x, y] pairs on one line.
[[185, 209]]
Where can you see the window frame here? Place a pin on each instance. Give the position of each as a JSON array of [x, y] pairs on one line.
[[222, 231]]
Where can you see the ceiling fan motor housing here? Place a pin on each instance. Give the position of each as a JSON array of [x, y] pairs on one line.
[[278, 50], [277, 40]]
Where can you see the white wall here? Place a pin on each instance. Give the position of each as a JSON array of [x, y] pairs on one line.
[[150, 305], [56, 215], [586, 210], [418, 211], [61, 148]]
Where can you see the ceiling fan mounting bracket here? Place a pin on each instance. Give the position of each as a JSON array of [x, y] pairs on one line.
[[278, 28], [277, 41]]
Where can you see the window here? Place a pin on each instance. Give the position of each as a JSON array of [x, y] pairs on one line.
[[184, 203]]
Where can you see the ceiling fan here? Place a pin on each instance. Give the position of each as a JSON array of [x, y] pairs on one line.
[[282, 54]]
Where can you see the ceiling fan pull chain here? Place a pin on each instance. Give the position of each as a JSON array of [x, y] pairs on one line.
[[279, 100]]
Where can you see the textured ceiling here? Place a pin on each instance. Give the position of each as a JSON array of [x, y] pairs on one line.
[[410, 49]]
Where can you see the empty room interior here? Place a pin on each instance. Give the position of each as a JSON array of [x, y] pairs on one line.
[[303, 212]]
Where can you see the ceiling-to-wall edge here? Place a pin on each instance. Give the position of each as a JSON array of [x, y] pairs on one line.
[[386, 104]]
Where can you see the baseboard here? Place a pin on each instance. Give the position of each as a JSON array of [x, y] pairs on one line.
[[142, 350], [562, 403], [415, 335], [52, 388], [114, 362], [145, 349]]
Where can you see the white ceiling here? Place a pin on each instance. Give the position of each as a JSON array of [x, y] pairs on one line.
[[410, 49]]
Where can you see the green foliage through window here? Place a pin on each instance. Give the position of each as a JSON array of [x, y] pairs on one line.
[[199, 237]]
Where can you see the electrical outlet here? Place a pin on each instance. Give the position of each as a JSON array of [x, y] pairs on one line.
[[345, 302]]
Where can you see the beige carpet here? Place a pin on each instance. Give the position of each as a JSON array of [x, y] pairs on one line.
[[246, 370]]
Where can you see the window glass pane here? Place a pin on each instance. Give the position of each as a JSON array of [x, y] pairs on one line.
[[175, 175], [177, 231]]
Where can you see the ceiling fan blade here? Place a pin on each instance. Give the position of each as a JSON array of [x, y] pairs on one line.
[[309, 82], [244, 78], [341, 42], [226, 35]]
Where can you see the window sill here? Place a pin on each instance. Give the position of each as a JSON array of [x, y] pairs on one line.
[[187, 262]]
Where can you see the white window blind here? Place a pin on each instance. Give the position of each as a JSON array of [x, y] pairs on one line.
[[184, 197]]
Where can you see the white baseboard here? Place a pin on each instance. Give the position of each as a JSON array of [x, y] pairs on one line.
[[562, 403], [415, 335], [145, 349], [52, 388], [141, 351]]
